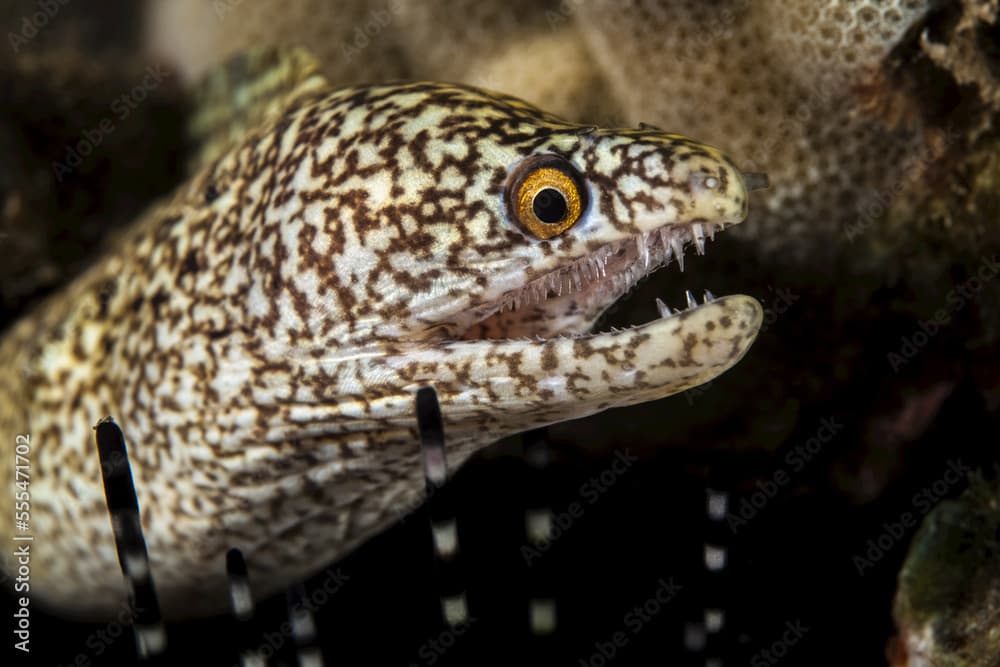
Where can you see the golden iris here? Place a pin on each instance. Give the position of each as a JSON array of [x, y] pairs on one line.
[[548, 196]]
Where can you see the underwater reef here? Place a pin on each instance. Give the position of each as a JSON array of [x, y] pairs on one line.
[[874, 251]]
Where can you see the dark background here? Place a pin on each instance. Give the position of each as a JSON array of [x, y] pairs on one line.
[[794, 563]]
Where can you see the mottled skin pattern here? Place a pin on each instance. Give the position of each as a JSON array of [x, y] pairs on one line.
[[260, 336]]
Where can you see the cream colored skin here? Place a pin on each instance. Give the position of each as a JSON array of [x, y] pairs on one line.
[[260, 336]]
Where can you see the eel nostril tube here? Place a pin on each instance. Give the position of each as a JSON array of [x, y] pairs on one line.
[[755, 180]]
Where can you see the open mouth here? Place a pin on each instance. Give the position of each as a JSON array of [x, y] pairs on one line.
[[578, 292], [568, 300], [617, 266]]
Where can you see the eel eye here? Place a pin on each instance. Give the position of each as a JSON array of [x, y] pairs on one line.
[[546, 195]]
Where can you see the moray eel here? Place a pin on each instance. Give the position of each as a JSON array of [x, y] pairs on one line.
[[260, 335]]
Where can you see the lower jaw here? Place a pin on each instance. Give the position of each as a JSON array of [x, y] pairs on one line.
[[550, 380]]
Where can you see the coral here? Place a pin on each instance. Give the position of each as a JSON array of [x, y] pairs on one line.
[[528, 49], [948, 603], [835, 43], [761, 80], [877, 122], [970, 49], [764, 80], [352, 39], [531, 50]]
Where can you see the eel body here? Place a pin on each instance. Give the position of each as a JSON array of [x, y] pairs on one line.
[[260, 335]]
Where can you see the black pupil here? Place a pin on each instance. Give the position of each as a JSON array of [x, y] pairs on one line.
[[549, 206]]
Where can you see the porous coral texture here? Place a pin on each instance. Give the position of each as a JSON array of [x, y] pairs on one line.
[[777, 86]]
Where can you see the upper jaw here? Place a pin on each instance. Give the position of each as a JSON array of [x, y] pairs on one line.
[[616, 266], [567, 300]]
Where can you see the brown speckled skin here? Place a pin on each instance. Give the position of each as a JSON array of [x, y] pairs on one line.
[[260, 336]]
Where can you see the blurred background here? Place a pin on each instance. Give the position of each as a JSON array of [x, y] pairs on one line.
[[866, 409]]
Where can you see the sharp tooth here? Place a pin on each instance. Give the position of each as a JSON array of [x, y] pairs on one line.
[[698, 232], [576, 278], [678, 249], [559, 289], [644, 250], [690, 299], [664, 241], [709, 297], [663, 308], [711, 231]]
